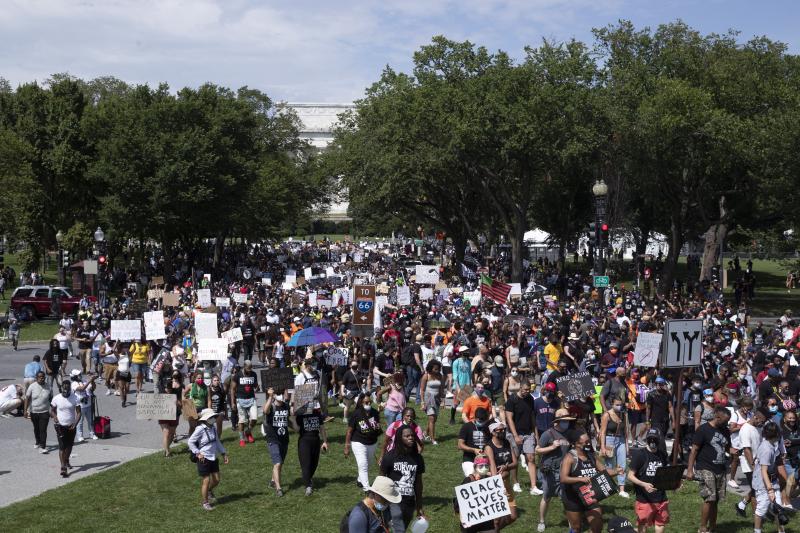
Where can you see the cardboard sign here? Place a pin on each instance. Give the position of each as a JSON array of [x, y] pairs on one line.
[[205, 326], [575, 386], [482, 500], [669, 477], [155, 294], [277, 378], [427, 274], [601, 487], [425, 293], [307, 273], [157, 280], [304, 395], [648, 348], [232, 335], [336, 356], [222, 302], [516, 289], [204, 298], [239, 298], [464, 393], [170, 299], [154, 325], [404, 295], [212, 349], [266, 281], [156, 406], [126, 330]]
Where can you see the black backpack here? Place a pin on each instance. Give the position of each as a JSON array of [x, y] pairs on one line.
[[344, 525]]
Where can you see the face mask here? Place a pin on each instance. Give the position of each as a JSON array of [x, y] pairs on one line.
[[65, 393], [742, 375], [652, 446], [709, 399], [563, 426], [588, 448], [479, 424], [354, 367], [618, 408], [695, 385], [480, 392], [199, 382], [279, 397], [514, 372], [367, 406], [773, 408], [380, 506]]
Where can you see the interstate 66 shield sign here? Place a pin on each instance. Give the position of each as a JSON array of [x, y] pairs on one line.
[[363, 310]]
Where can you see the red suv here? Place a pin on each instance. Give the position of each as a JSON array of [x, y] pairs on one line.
[[33, 301]]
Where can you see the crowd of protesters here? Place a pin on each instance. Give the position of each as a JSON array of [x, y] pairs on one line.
[[491, 367]]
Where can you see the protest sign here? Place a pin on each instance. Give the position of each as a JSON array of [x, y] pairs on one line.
[[287, 285], [205, 326], [516, 289], [464, 393], [156, 406], [204, 297], [473, 297], [239, 298], [170, 299], [277, 378], [266, 281], [307, 273], [304, 394], [482, 500], [601, 487], [212, 349], [575, 386], [324, 303], [427, 274], [425, 293], [155, 294], [232, 335], [154, 325], [312, 299], [403, 295], [291, 276], [298, 298], [648, 349], [336, 356], [126, 330], [157, 280], [222, 302], [669, 477]]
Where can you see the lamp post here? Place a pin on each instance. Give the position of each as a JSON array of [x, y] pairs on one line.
[[60, 257], [99, 239], [600, 192]]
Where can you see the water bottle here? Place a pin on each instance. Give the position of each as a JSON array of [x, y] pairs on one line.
[[420, 525]]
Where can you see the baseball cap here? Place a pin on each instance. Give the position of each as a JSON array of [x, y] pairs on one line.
[[659, 379], [653, 434], [620, 524], [248, 363], [550, 387], [498, 361], [774, 373], [708, 392]]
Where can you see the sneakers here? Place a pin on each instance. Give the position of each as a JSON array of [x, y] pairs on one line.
[[278, 493], [272, 483], [624, 494], [211, 497], [524, 464], [80, 439], [108, 392], [434, 443], [43, 451], [36, 445], [516, 488], [741, 512], [733, 484], [241, 443], [540, 527], [116, 393], [250, 438], [309, 490], [207, 506], [535, 491], [95, 437]]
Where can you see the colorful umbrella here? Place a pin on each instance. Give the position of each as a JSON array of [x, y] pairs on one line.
[[309, 336]]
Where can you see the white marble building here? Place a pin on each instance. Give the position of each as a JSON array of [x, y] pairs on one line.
[[318, 121]]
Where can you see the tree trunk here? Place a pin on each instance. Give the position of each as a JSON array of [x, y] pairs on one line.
[[218, 247], [714, 237], [459, 243], [517, 239], [562, 254], [169, 257], [676, 239]]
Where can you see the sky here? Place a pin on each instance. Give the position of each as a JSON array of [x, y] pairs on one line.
[[320, 51]]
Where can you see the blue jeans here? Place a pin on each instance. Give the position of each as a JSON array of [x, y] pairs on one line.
[[413, 376], [391, 416], [617, 445]]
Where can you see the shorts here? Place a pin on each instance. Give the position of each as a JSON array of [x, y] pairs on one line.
[[649, 514], [206, 468], [247, 410], [139, 368], [124, 376], [762, 500], [636, 416], [66, 436], [551, 484], [278, 451], [712, 486]]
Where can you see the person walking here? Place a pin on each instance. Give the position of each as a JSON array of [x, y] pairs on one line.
[[502, 461], [65, 411], [614, 440], [313, 439], [363, 430], [652, 505], [198, 395], [552, 446], [205, 445], [37, 408], [405, 465], [123, 377], [431, 389], [141, 357], [765, 474], [276, 433], [174, 385], [53, 361], [520, 417], [84, 391], [243, 390], [217, 400], [373, 514]]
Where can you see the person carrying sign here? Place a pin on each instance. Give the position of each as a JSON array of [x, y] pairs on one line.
[[553, 445], [481, 471], [276, 432], [652, 505]]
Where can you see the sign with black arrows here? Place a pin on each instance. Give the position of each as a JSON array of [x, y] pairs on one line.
[[683, 344]]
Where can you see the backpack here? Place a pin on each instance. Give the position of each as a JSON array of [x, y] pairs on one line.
[[344, 525]]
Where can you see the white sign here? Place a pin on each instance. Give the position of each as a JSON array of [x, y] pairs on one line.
[[156, 406], [126, 330], [212, 349], [329, 271], [232, 335], [287, 285], [307, 272], [291, 276], [89, 266], [516, 289], [427, 274], [312, 299], [204, 297], [357, 257], [266, 281], [325, 303], [648, 348], [403, 295], [482, 500], [336, 356], [239, 298], [473, 297], [425, 293], [205, 326], [154, 325], [683, 343], [222, 302]]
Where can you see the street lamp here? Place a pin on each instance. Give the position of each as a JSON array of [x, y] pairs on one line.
[[600, 192], [60, 257], [99, 238], [99, 235]]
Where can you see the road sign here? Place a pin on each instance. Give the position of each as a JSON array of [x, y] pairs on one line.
[[601, 281], [363, 310], [683, 343]]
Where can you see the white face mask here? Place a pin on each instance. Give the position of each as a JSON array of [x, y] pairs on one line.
[[514, 372], [279, 397], [709, 399]]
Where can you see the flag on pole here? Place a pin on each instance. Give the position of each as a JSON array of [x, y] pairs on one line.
[[496, 290]]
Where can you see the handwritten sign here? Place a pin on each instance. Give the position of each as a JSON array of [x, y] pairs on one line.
[[575, 386], [648, 349], [154, 325], [291, 276], [157, 280], [204, 297], [304, 394], [232, 335], [205, 326], [212, 349], [427, 274], [222, 302], [277, 379], [156, 406], [426, 293], [473, 297], [336, 356], [404, 295], [170, 299], [266, 281], [126, 330], [482, 500], [239, 298], [155, 294]]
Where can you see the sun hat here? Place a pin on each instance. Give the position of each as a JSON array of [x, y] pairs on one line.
[[206, 414], [563, 414], [75, 373], [386, 489]]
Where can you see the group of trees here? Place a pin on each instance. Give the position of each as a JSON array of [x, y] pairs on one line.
[[696, 136], [148, 164]]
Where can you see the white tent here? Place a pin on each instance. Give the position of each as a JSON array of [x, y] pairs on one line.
[[536, 237]]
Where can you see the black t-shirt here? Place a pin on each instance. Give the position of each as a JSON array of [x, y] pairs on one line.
[[351, 383], [644, 463], [713, 446], [659, 407], [366, 426], [246, 384], [474, 437], [403, 470], [309, 425], [502, 453], [84, 334], [53, 359], [217, 396], [522, 412], [276, 422]]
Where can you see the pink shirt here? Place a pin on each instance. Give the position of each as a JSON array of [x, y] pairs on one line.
[[396, 401], [394, 426]]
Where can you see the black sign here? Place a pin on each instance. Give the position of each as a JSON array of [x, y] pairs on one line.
[[575, 386], [601, 487], [277, 378], [669, 477]]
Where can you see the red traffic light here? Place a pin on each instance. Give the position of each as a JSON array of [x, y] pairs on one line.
[[101, 260], [604, 227]]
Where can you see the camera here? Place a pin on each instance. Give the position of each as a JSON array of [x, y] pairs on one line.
[[775, 511]]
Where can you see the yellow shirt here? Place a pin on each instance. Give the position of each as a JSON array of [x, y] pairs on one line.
[[553, 353], [139, 353]]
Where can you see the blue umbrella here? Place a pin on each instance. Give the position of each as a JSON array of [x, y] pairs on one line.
[[309, 336]]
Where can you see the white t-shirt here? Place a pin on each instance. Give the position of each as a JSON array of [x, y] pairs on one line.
[[446, 356], [124, 363], [63, 341], [65, 408], [736, 418], [83, 396], [8, 393], [749, 437]]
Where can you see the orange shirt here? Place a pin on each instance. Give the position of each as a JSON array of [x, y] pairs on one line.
[[472, 403]]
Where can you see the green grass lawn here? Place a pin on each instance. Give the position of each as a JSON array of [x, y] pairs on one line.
[[158, 494]]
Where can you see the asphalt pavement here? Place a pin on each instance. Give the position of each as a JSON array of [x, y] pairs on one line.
[[24, 472]]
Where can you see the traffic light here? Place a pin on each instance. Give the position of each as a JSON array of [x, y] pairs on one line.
[[592, 233], [65, 258], [102, 262], [604, 234]]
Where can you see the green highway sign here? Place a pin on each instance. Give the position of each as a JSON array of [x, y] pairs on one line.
[[601, 281]]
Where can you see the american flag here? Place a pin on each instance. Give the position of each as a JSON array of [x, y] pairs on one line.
[[496, 290]]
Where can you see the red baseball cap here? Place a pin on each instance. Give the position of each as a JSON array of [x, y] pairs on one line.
[[550, 386]]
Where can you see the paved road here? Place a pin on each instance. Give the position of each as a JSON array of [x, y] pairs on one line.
[[30, 473]]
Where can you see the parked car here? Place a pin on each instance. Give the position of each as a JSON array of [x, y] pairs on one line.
[[35, 301]]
